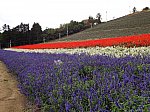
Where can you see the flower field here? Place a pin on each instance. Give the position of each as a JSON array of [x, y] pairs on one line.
[[91, 79], [127, 41], [107, 51]]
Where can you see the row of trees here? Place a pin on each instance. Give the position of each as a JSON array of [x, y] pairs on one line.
[[64, 30], [22, 34], [19, 35]]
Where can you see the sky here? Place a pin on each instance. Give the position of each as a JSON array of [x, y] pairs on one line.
[[52, 13]]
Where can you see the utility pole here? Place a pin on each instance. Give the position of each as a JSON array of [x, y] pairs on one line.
[[91, 25], [106, 16], [59, 35], [44, 39], [67, 30], [10, 43], [129, 10]]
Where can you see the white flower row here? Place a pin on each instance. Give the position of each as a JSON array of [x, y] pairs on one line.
[[111, 51]]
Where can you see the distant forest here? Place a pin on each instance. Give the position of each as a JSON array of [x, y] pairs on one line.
[[22, 34]]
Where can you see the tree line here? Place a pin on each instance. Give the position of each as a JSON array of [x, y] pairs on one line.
[[22, 34]]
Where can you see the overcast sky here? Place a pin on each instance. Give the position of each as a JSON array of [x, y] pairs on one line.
[[52, 13]]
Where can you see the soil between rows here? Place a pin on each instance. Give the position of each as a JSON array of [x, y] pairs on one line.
[[11, 100]]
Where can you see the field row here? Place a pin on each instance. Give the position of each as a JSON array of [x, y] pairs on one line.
[[108, 51], [127, 41], [82, 83], [99, 34]]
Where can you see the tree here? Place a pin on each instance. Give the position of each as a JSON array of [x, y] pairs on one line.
[[134, 10], [1, 36], [5, 27], [146, 8], [36, 32], [91, 21], [91, 18], [22, 28], [98, 16]]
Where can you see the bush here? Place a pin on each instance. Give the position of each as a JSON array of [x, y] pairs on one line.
[[146, 8]]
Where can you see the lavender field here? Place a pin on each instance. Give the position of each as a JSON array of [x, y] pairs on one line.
[[81, 82]]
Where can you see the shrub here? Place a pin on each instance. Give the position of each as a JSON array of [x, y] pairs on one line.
[[146, 8]]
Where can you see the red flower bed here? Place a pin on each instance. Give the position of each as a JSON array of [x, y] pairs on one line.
[[128, 41]]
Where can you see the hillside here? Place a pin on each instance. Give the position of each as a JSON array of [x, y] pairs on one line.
[[137, 23]]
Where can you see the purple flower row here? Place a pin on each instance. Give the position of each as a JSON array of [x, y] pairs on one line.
[[66, 82]]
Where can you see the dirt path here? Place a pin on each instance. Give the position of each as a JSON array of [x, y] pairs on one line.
[[11, 100]]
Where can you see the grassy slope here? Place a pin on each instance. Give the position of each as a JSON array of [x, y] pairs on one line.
[[131, 24]]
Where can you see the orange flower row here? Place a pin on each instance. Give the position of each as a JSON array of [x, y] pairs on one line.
[[127, 41]]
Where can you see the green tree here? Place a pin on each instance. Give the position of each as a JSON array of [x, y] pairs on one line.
[[98, 16], [5, 27], [36, 32], [22, 28]]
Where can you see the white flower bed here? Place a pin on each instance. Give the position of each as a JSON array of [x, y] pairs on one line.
[[113, 51]]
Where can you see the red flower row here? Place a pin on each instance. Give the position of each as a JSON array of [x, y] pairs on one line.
[[127, 41]]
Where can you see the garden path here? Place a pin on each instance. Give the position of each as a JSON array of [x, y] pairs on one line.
[[11, 100]]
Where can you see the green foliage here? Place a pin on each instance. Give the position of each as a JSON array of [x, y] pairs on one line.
[[1, 36], [134, 104], [98, 16], [36, 32], [86, 71]]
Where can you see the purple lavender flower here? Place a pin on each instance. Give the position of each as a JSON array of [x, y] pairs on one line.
[[81, 82]]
